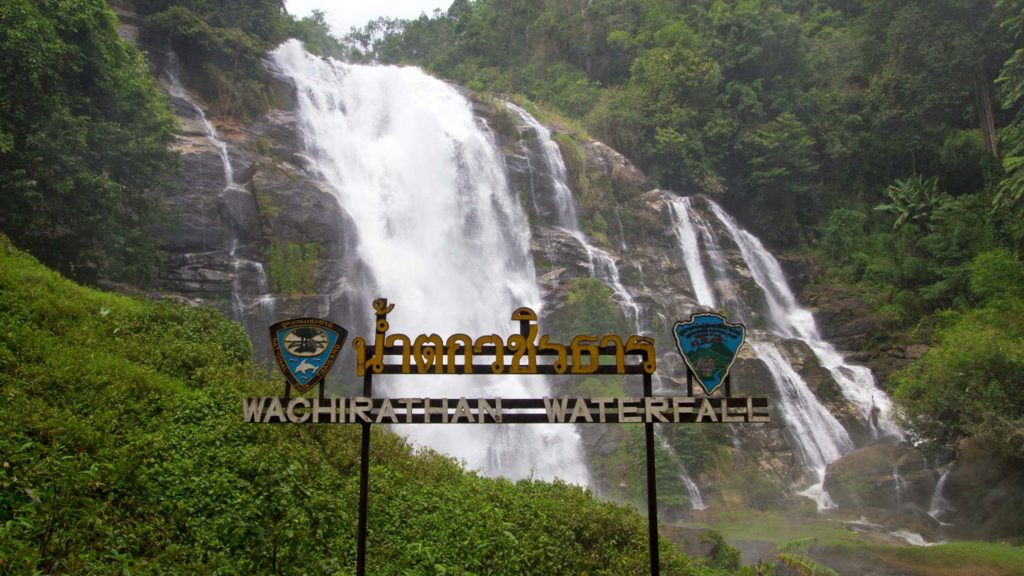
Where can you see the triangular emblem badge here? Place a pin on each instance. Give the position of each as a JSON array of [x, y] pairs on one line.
[[305, 349], [708, 345]]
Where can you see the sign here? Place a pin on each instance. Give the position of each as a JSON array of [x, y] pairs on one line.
[[546, 410], [708, 345], [306, 349]]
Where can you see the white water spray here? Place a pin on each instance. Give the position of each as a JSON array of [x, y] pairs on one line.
[[688, 245], [442, 235]]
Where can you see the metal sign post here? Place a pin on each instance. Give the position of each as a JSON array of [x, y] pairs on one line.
[[306, 348]]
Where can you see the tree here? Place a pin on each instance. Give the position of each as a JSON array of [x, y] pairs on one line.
[[912, 200], [84, 133]]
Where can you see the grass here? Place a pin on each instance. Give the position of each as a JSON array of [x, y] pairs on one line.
[[954, 559], [836, 545]]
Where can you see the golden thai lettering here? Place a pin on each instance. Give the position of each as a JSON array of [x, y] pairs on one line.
[[620, 353], [432, 354], [498, 366], [562, 363], [522, 344], [427, 352], [453, 344], [580, 344]]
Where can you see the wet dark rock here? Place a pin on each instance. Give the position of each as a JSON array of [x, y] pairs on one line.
[[868, 478], [986, 491]]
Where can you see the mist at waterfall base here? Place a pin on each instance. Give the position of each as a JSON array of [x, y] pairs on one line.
[[442, 235]]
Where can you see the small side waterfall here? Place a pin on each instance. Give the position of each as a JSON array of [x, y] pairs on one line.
[[789, 319], [817, 436], [900, 485], [600, 263], [690, 249], [439, 230], [251, 301], [564, 205], [692, 491], [564, 214], [939, 506]]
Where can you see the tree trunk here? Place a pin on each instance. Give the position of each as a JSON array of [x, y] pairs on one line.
[[983, 89]]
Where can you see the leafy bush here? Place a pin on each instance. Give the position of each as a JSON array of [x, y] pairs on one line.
[[124, 451]]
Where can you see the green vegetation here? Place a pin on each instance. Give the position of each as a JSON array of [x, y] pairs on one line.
[[293, 267], [786, 110], [589, 310], [124, 451], [968, 383], [84, 133], [808, 541], [221, 46]]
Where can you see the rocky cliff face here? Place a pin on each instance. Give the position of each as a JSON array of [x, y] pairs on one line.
[[252, 231]]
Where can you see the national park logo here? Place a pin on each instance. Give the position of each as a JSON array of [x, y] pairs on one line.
[[708, 345], [305, 349]]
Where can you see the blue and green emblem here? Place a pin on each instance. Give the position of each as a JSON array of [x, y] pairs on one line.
[[305, 349], [708, 345]]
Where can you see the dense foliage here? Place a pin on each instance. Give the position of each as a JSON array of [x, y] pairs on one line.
[[885, 137], [970, 382], [221, 46], [124, 451], [84, 132], [788, 109]]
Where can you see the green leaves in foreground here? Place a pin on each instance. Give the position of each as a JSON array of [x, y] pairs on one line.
[[122, 450]]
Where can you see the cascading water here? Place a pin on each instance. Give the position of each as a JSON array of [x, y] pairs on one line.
[[939, 506], [818, 437], [692, 491], [440, 232], [251, 301], [565, 213], [600, 263], [789, 319], [900, 485], [687, 238]]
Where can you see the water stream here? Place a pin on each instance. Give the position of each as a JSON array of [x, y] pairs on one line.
[[600, 263], [251, 301], [939, 505], [788, 319], [818, 438]]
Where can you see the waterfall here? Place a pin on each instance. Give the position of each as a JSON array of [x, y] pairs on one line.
[[441, 233], [599, 262], [566, 217], [789, 319], [692, 491], [687, 238], [900, 485], [564, 203], [817, 436], [938, 505], [250, 287], [178, 91]]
